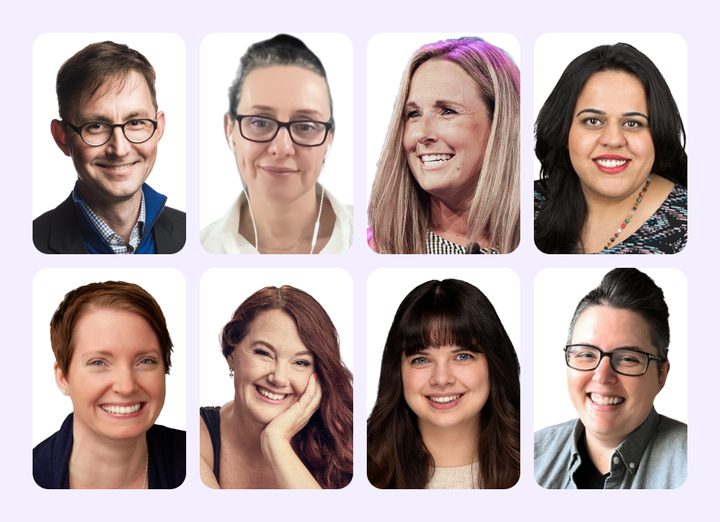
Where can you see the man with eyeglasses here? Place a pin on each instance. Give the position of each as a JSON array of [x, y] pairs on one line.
[[617, 363], [110, 127]]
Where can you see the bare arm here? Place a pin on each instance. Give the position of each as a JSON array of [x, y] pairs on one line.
[[288, 469], [206, 458]]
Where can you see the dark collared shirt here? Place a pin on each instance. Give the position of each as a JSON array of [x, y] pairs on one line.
[[654, 456]]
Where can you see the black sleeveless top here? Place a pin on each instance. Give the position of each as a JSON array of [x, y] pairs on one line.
[[211, 416]]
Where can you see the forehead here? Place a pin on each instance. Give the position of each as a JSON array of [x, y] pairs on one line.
[[610, 328], [116, 95], [285, 89], [278, 329], [113, 330], [442, 79], [613, 91]]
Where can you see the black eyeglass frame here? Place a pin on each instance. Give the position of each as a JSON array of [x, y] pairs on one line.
[[112, 127], [284, 125], [609, 354]]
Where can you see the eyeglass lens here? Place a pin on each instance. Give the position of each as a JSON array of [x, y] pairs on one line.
[[258, 128], [136, 131], [586, 358]]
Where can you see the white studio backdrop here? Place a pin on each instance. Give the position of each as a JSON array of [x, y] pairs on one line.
[[53, 173], [166, 285]]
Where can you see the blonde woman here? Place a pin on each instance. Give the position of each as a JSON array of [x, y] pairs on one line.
[[448, 179]]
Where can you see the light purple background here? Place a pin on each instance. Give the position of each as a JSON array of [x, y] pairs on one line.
[[693, 20]]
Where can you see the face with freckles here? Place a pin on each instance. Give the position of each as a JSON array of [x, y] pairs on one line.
[[610, 329], [610, 145], [116, 375], [446, 387], [280, 170], [113, 172], [272, 367], [447, 126]]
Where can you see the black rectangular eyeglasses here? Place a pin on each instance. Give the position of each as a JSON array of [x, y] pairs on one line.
[[625, 361]]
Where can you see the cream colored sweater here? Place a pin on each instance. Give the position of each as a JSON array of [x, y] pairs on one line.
[[462, 477]]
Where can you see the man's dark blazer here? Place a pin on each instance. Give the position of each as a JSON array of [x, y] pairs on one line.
[[58, 231]]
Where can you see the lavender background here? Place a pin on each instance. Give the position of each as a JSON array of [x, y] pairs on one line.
[[695, 21]]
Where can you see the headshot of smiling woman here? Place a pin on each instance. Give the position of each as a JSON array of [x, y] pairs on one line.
[[447, 414], [280, 127], [289, 424], [112, 353], [448, 178], [611, 145]]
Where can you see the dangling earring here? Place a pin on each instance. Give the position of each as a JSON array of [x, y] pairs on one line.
[[232, 373]]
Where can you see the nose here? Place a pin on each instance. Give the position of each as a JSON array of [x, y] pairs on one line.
[[279, 376], [282, 144], [425, 130], [118, 144], [125, 382], [612, 136], [442, 374], [604, 373]]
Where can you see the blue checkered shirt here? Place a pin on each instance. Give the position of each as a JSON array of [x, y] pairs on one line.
[[112, 239]]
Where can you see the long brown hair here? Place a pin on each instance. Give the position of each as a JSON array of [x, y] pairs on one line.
[[326, 442], [440, 313]]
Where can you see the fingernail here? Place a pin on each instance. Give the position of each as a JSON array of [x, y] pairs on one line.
[[315, 375]]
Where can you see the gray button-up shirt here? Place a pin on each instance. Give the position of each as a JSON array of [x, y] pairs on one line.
[[654, 456]]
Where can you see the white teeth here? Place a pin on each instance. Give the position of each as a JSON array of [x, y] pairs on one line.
[[122, 409], [432, 160], [610, 163], [444, 400], [273, 396], [604, 401]]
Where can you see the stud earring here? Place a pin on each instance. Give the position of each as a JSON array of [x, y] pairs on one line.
[[232, 373]]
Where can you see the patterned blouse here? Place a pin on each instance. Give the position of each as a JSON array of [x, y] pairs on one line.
[[435, 244], [664, 233]]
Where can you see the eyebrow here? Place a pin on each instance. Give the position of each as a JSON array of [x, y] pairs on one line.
[[632, 348], [106, 353], [603, 113], [301, 113], [271, 347], [436, 103], [140, 114], [456, 350]]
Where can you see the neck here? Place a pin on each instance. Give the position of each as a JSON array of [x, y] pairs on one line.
[[600, 451], [448, 221], [452, 447], [119, 215], [101, 463], [245, 435]]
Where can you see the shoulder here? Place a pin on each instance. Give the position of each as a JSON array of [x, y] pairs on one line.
[[554, 447], [171, 439], [554, 436], [170, 231], [670, 432], [51, 457], [166, 447], [59, 221]]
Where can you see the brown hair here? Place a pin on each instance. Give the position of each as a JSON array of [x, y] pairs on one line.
[[116, 295], [326, 442], [440, 313], [88, 69]]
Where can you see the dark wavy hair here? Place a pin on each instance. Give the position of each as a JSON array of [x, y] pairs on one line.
[[633, 290], [441, 313], [558, 226], [326, 442]]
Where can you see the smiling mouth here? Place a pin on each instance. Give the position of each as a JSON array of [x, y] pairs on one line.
[[118, 168], [601, 400], [611, 163], [122, 409], [434, 160], [272, 396], [445, 400]]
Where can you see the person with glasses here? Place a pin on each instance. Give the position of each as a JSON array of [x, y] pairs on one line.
[[110, 126], [280, 128], [617, 362]]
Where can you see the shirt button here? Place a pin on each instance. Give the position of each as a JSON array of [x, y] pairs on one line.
[[632, 465], [113, 241], [616, 460]]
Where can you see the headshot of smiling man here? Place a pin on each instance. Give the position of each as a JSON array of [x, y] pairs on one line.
[[447, 410], [289, 422], [110, 125], [617, 356], [112, 355], [610, 142], [281, 115]]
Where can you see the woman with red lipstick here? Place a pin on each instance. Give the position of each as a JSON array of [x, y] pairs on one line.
[[289, 425], [610, 141], [280, 127], [112, 351], [616, 360], [447, 414], [448, 179]]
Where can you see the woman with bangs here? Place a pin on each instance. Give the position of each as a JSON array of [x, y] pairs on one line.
[[447, 414], [289, 425]]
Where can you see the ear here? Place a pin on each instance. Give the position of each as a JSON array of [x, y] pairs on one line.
[[230, 360], [664, 370], [229, 123], [61, 138], [160, 125], [60, 379]]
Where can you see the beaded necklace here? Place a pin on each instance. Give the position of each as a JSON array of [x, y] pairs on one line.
[[625, 223]]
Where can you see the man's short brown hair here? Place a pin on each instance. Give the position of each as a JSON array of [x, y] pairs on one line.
[[115, 295], [94, 65]]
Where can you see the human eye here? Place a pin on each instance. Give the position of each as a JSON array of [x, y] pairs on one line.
[[94, 128], [592, 121], [303, 363], [261, 353], [465, 357], [447, 111], [412, 113], [419, 361], [627, 357], [307, 127], [583, 353], [634, 124], [96, 363], [259, 122], [147, 361]]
